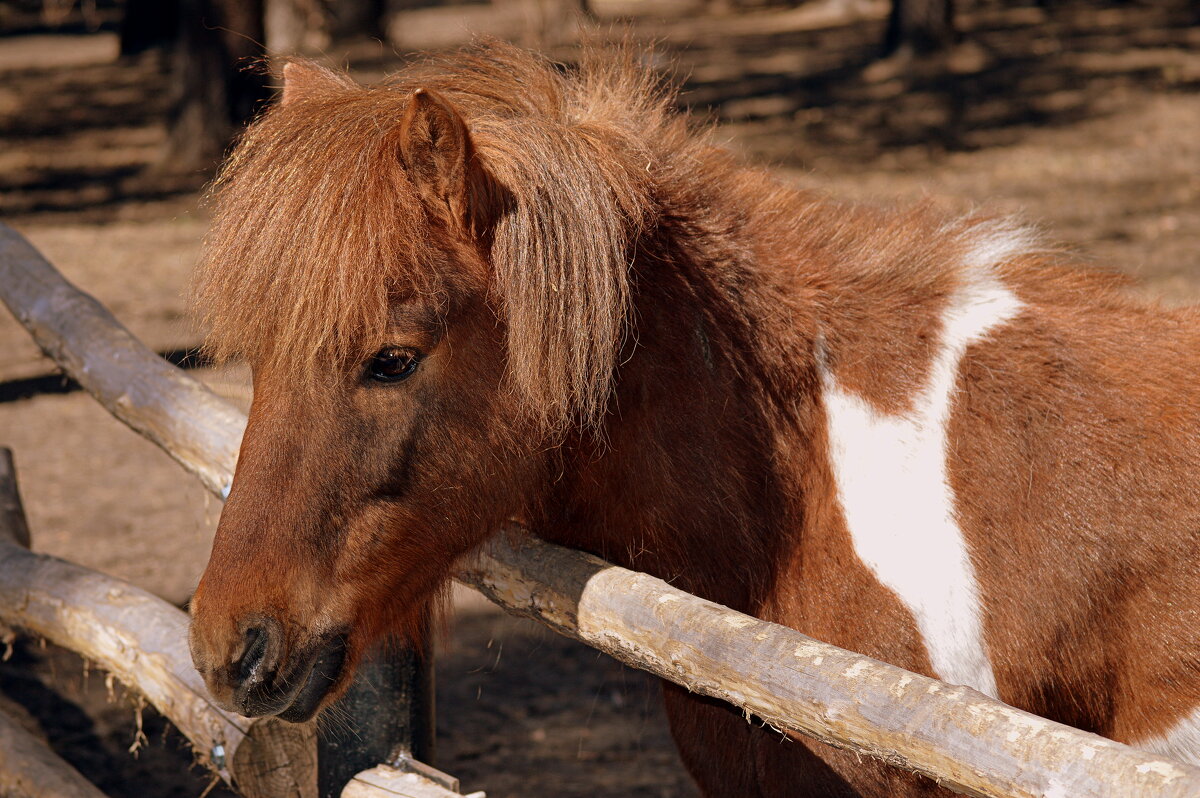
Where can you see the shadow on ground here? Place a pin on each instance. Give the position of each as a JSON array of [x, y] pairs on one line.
[[1019, 66], [528, 686], [805, 90]]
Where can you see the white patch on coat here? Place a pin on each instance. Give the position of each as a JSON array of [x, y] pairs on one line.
[[892, 478], [1181, 742], [996, 242]]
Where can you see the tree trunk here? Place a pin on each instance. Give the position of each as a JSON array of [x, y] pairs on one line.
[[920, 26], [147, 24], [359, 17], [216, 88]]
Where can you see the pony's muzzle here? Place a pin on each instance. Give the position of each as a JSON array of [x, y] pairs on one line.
[[269, 675]]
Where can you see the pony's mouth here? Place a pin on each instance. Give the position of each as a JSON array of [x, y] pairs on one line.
[[325, 674], [297, 694]]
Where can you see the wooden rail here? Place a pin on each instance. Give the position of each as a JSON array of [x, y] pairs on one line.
[[141, 640], [964, 740], [199, 429]]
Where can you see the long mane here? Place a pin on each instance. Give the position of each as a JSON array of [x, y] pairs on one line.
[[316, 226]]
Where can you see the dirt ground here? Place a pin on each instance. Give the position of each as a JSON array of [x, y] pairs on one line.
[[1084, 119]]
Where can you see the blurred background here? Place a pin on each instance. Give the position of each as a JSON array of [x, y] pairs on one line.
[[1081, 115]]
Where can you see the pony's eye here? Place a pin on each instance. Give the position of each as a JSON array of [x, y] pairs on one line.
[[392, 364]]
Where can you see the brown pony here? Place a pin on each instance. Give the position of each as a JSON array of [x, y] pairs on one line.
[[492, 288]]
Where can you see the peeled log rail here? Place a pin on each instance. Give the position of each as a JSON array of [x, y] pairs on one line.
[[28, 766], [968, 742], [961, 738], [199, 429], [142, 641]]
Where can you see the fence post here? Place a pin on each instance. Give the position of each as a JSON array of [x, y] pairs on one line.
[[387, 712]]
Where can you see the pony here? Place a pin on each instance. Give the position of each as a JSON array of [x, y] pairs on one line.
[[493, 288]]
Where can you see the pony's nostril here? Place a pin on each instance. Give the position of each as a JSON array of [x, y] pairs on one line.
[[254, 650]]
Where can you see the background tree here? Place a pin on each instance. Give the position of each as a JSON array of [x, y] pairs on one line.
[[147, 24], [920, 26], [358, 17], [216, 87]]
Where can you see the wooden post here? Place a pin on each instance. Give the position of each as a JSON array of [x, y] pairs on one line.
[[960, 738], [385, 781], [265, 758], [388, 711], [12, 513]]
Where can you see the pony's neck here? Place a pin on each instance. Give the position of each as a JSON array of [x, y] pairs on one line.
[[696, 478]]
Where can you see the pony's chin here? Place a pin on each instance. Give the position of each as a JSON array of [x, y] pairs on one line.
[[326, 674]]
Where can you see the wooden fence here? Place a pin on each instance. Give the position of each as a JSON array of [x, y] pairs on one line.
[[963, 739]]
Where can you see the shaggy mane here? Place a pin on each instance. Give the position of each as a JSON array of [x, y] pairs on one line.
[[317, 227]]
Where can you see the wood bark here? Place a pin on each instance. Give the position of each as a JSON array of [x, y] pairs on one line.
[[13, 526], [963, 739], [29, 769], [959, 737], [192, 424], [399, 678], [200, 430]]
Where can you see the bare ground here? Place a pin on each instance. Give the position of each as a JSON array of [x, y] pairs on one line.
[[1083, 120]]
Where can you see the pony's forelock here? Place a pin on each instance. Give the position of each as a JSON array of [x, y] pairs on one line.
[[317, 228]]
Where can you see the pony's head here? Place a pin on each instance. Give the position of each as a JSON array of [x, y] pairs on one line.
[[429, 279]]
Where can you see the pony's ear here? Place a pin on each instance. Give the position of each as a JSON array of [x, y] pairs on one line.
[[304, 78], [436, 149]]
